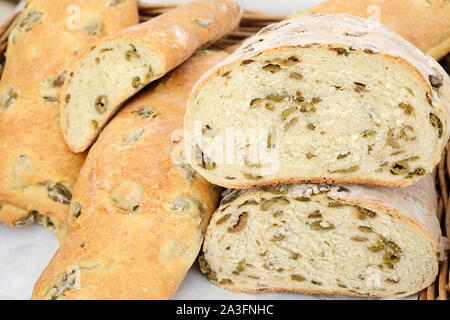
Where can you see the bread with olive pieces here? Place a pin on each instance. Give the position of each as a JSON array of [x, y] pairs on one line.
[[37, 169], [138, 214], [303, 101], [119, 66], [424, 23], [344, 239]]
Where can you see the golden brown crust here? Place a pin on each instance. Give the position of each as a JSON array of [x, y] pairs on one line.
[[145, 254], [173, 36], [49, 34], [426, 24]]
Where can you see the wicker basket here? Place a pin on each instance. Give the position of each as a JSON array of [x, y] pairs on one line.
[[252, 21]]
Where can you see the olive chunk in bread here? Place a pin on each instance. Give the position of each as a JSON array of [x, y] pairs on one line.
[[303, 101], [349, 240], [117, 67]]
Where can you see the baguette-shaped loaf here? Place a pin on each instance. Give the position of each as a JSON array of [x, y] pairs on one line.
[[349, 240], [139, 211], [424, 23], [37, 169], [322, 98], [117, 67]]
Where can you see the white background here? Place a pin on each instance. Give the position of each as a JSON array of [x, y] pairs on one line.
[[25, 252]]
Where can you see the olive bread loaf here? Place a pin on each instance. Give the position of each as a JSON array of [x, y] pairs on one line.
[[342, 239], [322, 98], [37, 169], [117, 67], [139, 211]]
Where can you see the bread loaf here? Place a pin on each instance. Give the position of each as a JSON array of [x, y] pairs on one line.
[[345, 239], [37, 169], [139, 211], [303, 101], [117, 67], [425, 23]]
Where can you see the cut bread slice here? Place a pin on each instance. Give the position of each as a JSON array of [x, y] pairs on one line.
[[305, 102], [349, 240], [116, 67]]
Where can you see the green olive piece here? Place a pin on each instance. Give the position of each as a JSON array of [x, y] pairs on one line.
[[241, 266], [147, 112], [242, 221], [437, 123], [272, 68], [297, 277], [307, 107], [392, 139], [407, 133], [256, 102], [315, 215], [349, 170], [291, 123], [131, 54], [247, 202], [136, 83], [340, 51], [223, 219], [286, 112], [116, 2], [377, 247], [101, 104], [251, 176], [368, 133], [76, 209], [391, 257], [317, 225], [407, 108], [359, 239], [275, 98], [289, 62], [365, 229], [59, 193], [295, 76], [400, 167], [277, 200], [202, 23], [364, 213]]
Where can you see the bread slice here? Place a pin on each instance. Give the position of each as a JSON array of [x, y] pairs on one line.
[[303, 101], [345, 239], [119, 66], [424, 23], [37, 169], [139, 211]]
